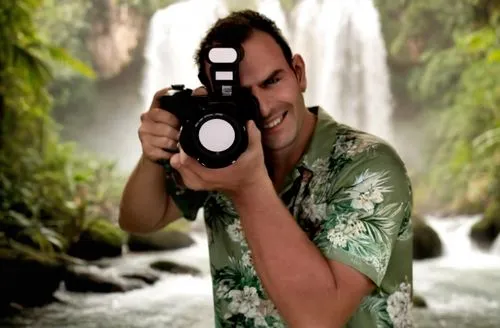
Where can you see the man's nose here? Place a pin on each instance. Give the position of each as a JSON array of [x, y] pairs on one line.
[[264, 101]]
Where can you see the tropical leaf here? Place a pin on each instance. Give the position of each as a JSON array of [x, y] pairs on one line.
[[61, 55], [487, 140]]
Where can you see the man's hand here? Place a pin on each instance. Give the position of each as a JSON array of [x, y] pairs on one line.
[[159, 131], [248, 172]]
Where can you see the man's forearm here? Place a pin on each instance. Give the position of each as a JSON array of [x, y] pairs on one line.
[[145, 200], [293, 271]]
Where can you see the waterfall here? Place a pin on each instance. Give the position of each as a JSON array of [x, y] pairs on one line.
[[273, 10], [495, 248], [174, 34], [458, 248], [341, 43], [345, 56]]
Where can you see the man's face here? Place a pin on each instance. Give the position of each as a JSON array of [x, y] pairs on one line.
[[265, 71], [278, 87]]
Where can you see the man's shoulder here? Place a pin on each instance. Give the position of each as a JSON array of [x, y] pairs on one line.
[[343, 147], [355, 144]]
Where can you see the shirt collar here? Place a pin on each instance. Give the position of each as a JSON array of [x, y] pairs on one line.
[[323, 138], [320, 144]]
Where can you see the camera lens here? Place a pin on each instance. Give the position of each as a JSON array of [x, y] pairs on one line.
[[216, 135]]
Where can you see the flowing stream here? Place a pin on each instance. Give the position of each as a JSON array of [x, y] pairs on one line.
[[462, 287], [175, 301]]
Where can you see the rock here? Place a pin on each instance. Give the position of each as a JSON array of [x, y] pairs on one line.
[[28, 282], [463, 205], [101, 239], [419, 301], [93, 279], [426, 242], [172, 267], [114, 35], [146, 275], [159, 240], [485, 231]]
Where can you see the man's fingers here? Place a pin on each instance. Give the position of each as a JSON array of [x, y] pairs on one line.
[[254, 135], [156, 98], [181, 163], [157, 154], [189, 163], [164, 143], [159, 115], [159, 130], [200, 91], [175, 161]]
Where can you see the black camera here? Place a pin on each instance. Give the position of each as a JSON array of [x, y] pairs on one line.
[[213, 127]]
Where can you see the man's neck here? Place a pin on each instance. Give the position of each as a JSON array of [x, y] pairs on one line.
[[283, 161]]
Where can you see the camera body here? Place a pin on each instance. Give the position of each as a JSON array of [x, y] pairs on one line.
[[213, 126]]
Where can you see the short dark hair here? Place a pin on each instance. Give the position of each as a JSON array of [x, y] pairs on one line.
[[235, 29]]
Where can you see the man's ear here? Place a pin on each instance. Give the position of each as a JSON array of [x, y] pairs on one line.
[[299, 67]]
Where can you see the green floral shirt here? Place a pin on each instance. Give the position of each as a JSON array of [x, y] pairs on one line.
[[351, 195]]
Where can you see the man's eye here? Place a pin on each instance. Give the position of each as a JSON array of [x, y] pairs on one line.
[[274, 80]]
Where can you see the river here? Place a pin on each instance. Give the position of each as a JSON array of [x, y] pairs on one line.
[[461, 288]]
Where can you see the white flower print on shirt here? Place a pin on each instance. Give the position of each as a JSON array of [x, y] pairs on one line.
[[348, 228], [235, 232], [368, 190], [244, 301], [399, 307]]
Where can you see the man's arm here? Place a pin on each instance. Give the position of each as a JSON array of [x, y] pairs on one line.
[[307, 289], [321, 283], [145, 205]]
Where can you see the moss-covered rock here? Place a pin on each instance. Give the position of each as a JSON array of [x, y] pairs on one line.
[[485, 231], [160, 240], [85, 279], [101, 238], [172, 267], [173, 236], [28, 281], [426, 241]]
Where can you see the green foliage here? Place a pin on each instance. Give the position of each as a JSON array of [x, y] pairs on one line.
[[48, 190], [146, 7], [452, 75]]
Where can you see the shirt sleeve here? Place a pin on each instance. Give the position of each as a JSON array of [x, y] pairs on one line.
[[188, 201], [370, 204]]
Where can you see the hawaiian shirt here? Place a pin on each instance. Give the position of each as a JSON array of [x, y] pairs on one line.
[[350, 193]]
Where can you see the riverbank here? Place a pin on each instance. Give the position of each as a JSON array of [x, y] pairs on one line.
[[174, 300], [460, 289]]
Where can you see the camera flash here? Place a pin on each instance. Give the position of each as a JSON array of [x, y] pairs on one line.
[[222, 55], [223, 76]]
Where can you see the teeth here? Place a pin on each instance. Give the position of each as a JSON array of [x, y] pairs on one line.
[[274, 123]]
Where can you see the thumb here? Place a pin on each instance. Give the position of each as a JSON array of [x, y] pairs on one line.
[[175, 161], [254, 136]]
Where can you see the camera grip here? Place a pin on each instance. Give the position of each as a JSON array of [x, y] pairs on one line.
[[171, 105], [176, 100]]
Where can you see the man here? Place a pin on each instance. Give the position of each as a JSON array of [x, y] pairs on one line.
[[310, 227]]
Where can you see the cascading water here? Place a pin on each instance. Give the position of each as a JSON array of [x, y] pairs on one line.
[[273, 10], [461, 287], [345, 56], [495, 248], [174, 34]]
